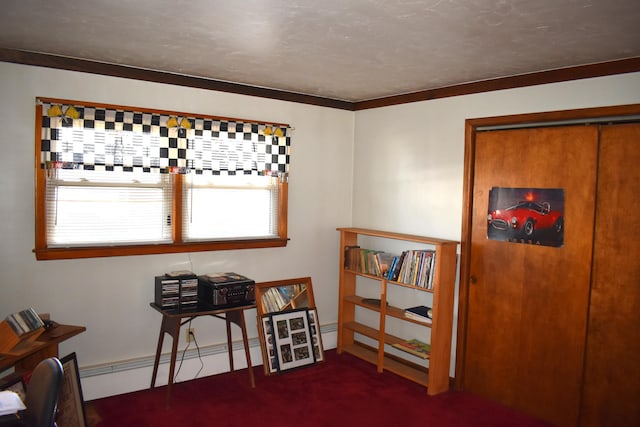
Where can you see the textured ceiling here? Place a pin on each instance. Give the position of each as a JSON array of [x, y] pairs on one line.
[[350, 50]]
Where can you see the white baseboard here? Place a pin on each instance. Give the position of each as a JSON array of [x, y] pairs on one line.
[[126, 376]]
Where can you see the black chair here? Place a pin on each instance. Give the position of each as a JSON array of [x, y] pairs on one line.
[[42, 394]]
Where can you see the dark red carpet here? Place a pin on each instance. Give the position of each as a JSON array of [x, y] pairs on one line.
[[342, 391]]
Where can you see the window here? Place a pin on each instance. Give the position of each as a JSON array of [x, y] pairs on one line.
[[104, 208], [230, 207], [114, 181]]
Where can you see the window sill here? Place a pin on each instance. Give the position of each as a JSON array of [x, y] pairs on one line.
[[45, 254]]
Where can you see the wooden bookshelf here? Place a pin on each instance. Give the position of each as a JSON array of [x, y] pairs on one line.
[[350, 328]]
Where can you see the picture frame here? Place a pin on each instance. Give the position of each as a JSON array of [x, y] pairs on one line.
[[533, 216], [316, 336], [270, 359], [279, 296], [71, 412], [292, 339], [284, 295]]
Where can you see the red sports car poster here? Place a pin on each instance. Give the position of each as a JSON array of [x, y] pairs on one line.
[[526, 215]]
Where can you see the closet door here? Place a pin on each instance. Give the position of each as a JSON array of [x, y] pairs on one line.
[[527, 303], [612, 375]]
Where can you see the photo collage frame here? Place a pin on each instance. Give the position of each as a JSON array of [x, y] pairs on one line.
[[292, 340], [289, 327]]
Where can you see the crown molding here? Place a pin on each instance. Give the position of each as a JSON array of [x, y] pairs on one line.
[[601, 69], [114, 70]]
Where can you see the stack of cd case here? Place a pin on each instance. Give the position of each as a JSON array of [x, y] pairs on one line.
[[176, 290]]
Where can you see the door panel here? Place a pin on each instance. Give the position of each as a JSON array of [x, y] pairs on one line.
[[612, 375], [527, 309]]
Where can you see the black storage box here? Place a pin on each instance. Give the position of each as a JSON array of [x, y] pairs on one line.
[[218, 290]]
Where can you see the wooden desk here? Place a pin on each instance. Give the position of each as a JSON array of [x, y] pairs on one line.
[[45, 346], [172, 320]]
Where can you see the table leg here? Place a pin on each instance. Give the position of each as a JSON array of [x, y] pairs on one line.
[[158, 351], [169, 326], [246, 350], [172, 327], [237, 317], [228, 321]]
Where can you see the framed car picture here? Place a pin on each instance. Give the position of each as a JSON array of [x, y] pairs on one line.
[[526, 215]]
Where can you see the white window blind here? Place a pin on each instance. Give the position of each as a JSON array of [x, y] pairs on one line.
[[230, 207], [91, 208]]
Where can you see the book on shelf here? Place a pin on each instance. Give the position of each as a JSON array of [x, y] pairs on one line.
[[411, 267], [279, 298], [368, 261], [417, 268], [351, 257], [425, 269], [365, 261], [394, 275], [394, 263], [421, 313], [374, 262], [415, 347], [384, 260]]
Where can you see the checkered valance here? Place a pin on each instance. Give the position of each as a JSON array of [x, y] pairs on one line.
[[105, 139]]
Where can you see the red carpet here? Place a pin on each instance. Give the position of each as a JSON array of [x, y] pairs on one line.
[[342, 391]]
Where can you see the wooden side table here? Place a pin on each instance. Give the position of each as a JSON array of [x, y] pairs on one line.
[[46, 345], [172, 320]]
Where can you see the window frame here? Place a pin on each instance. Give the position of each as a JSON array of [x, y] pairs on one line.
[[43, 252]]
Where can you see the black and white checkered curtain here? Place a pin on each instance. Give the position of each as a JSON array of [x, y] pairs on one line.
[[107, 139]]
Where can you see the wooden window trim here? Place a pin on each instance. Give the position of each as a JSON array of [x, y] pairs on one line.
[[44, 253]]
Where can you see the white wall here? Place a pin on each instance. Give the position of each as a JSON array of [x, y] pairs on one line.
[[111, 296], [409, 159], [406, 163]]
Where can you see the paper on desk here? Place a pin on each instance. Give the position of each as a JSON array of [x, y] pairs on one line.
[[10, 403]]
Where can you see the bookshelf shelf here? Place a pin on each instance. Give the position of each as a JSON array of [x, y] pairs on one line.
[[361, 352], [406, 371], [402, 368], [362, 329], [436, 377]]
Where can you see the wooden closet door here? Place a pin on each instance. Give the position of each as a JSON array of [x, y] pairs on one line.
[[527, 306], [612, 374]]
